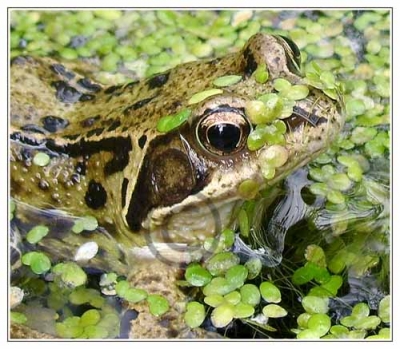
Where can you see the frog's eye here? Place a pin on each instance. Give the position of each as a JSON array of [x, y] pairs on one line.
[[292, 54], [223, 132]]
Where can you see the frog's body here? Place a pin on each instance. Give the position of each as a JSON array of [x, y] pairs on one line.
[[109, 160]]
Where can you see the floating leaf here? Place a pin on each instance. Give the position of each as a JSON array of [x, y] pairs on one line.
[[88, 223], [243, 310], [236, 275], [17, 318], [214, 300], [270, 292], [254, 267], [90, 317], [201, 96], [316, 255], [227, 80], [320, 323], [248, 189], [71, 274], [274, 311], [36, 234], [218, 285], [38, 262], [196, 275], [134, 295], [195, 314], [261, 74], [222, 315], [315, 305], [221, 262], [122, 287], [170, 122], [158, 305], [384, 309], [250, 294]]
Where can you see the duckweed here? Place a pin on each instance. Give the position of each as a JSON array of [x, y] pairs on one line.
[[38, 262], [195, 314], [201, 96], [227, 80], [254, 267], [135, 295], [242, 311], [248, 189], [158, 305], [384, 309], [88, 223], [315, 305], [261, 74], [170, 122], [17, 317], [274, 311], [270, 292], [218, 264], [236, 275], [196, 275], [250, 294], [70, 273], [36, 234], [222, 315]]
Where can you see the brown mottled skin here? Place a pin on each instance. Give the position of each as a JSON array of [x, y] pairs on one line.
[[108, 160]]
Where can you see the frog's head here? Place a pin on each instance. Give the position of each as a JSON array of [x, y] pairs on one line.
[[191, 178]]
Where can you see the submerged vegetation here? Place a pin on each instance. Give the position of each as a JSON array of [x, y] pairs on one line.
[[334, 278]]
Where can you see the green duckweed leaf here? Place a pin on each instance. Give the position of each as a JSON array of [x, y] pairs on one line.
[[90, 317], [38, 262], [195, 314], [71, 274], [227, 80], [134, 295], [95, 332], [17, 318], [320, 323], [248, 189], [236, 275], [201, 96], [122, 287], [170, 122], [222, 315], [274, 311], [196, 275], [221, 262], [158, 305], [315, 305], [384, 309], [261, 74], [254, 267], [218, 286], [88, 223], [250, 294], [214, 300], [37, 233], [270, 292], [243, 310]]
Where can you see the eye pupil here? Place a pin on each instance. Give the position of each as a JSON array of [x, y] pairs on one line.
[[224, 137]]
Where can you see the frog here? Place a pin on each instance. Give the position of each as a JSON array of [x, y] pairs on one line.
[[160, 194]]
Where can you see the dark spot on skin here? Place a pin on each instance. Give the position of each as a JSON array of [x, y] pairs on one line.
[[20, 60], [114, 125], [95, 131], [86, 97], [137, 105], [66, 93], [61, 70], [120, 159], [80, 168], [90, 121], [158, 80], [72, 137], [172, 333], [17, 136], [124, 188], [125, 128], [142, 141], [44, 185], [33, 129], [176, 104], [125, 324], [131, 84], [96, 196], [89, 85], [26, 154], [54, 123], [215, 61], [112, 89], [251, 64]]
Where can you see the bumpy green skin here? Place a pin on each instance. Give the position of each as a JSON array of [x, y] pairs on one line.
[[108, 160]]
